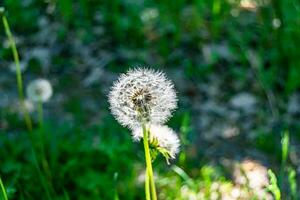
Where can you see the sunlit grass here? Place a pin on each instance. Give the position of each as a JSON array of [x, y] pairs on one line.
[[18, 70], [27, 117], [69, 157], [3, 190]]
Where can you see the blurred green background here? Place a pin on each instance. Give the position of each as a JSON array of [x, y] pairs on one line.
[[234, 63]]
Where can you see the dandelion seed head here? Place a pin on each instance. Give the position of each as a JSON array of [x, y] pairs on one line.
[[276, 23], [20, 106], [166, 138], [142, 96], [2, 10], [39, 90], [149, 14]]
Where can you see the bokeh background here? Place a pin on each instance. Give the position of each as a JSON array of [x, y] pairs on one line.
[[234, 63]]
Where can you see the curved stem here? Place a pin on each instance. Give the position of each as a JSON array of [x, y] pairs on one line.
[[21, 97], [40, 174], [42, 139], [3, 190], [40, 114], [18, 72], [147, 185], [149, 169]]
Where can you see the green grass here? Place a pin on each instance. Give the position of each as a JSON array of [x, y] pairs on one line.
[[3, 190], [98, 160]]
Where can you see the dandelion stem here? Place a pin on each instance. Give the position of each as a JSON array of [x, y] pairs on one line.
[[149, 169], [42, 139], [42, 178], [147, 185], [40, 114], [116, 196], [3, 190], [15, 55], [18, 71], [21, 97], [44, 161]]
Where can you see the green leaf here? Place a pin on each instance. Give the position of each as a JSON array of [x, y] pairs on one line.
[[273, 186], [285, 146]]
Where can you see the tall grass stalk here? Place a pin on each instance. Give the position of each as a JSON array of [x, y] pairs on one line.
[[285, 148], [293, 183], [40, 174], [116, 196], [149, 170], [40, 114], [18, 71], [147, 185], [285, 142], [27, 118], [66, 195], [273, 186], [45, 163], [3, 190]]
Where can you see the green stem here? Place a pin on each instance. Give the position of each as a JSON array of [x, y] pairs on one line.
[[116, 196], [18, 72], [42, 143], [40, 114], [21, 97], [44, 161], [147, 185], [149, 169], [3, 190], [40, 174]]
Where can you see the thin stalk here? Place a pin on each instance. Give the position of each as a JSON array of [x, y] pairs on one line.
[[40, 174], [18, 72], [66, 195], [3, 190], [42, 139], [21, 97], [285, 141], [40, 114], [147, 185], [36, 164], [116, 196], [149, 169], [45, 163]]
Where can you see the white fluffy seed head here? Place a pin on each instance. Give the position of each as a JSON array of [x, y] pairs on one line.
[[39, 90], [164, 136], [142, 95], [20, 106]]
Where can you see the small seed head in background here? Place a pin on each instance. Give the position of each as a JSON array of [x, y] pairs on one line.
[[39, 90], [2, 11]]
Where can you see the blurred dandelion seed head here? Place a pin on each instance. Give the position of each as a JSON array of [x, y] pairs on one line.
[[248, 5], [142, 96], [149, 15], [2, 10], [276, 23], [160, 137], [39, 90], [20, 106]]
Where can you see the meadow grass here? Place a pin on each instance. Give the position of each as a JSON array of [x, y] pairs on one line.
[[18, 71], [181, 28], [26, 114], [3, 190]]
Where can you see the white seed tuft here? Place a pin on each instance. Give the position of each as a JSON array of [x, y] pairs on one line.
[[166, 138], [39, 90], [142, 96]]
